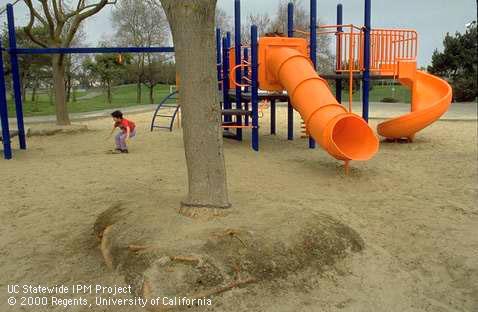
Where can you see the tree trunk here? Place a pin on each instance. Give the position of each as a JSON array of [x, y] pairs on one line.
[[151, 94], [192, 25], [108, 92], [68, 88], [62, 117], [138, 91], [34, 92]]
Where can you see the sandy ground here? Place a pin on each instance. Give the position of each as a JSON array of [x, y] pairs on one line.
[[413, 204]]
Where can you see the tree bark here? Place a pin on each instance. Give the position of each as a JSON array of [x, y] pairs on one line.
[[192, 26], [138, 91], [62, 117], [108, 92], [151, 94], [34, 93]]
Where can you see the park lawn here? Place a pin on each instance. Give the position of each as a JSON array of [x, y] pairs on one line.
[[125, 96], [379, 92], [91, 100]]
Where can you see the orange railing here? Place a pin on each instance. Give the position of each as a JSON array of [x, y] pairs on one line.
[[387, 47]]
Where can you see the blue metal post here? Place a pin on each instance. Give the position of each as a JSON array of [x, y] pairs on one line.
[[273, 116], [218, 56], [225, 76], [313, 45], [254, 89], [246, 74], [16, 76], [290, 109], [366, 61], [338, 82], [7, 147], [238, 57]]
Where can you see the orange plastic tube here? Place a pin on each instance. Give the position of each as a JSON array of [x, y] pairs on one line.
[[431, 98], [343, 135]]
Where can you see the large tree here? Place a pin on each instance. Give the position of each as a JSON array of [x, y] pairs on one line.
[[192, 24], [458, 63], [140, 24], [62, 20]]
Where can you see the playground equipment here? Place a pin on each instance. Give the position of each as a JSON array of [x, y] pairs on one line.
[[14, 51], [290, 64], [164, 104]]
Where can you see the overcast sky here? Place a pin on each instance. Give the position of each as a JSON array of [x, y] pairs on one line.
[[431, 18]]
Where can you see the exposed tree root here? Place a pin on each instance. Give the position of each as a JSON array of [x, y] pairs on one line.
[[105, 251]]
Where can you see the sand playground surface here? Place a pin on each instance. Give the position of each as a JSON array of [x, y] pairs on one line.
[[413, 205]]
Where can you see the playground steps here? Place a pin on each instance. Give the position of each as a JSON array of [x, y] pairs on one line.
[[163, 105]]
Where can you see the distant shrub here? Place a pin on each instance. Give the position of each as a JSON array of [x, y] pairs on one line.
[[389, 100]]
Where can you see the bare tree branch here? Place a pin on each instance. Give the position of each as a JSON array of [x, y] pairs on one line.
[[34, 13], [49, 18]]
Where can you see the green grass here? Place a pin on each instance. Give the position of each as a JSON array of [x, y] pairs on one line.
[[378, 92], [123, 96]]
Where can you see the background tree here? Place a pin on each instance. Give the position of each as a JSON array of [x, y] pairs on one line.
[[158, 71], [107, 69], [192, 24], [62, 22], [140, 23], [458, 63], [223, 20], [33, 68]]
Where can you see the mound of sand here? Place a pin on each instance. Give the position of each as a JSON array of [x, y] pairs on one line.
[[164, 254]]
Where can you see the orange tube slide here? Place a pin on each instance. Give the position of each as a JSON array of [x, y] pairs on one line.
[[431, 98], [343, 135]]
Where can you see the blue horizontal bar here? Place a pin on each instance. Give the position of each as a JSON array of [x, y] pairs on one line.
[[92, 50]]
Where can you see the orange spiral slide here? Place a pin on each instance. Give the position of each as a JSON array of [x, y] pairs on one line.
[[431, 98], [284, 65]]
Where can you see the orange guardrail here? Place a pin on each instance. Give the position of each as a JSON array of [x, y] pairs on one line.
[[387, 47]]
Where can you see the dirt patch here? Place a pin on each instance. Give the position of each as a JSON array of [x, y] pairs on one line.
[[183, 257], [49, 129]]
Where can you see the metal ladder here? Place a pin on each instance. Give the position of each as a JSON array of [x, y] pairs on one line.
[[164, 104]]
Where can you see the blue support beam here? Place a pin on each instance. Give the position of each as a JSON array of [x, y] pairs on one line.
[[218, 56], [17, 89], [290, 109], [225, 76], [254, 89], [238, 58], [247, 89], [313, 45], [7, 147], [338, 82], [366, 61], [273, 116], [90, 50]]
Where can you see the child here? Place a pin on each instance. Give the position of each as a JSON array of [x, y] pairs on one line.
[[128, 130]]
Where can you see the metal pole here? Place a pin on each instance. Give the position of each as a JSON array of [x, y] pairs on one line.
[[338, 82], [16, 76], [273, 116], [246, 74], [238, 57], [290, 109], [218, 56], [313, 45], [7, 147], [366, 61], [225, 77], [254, 89]]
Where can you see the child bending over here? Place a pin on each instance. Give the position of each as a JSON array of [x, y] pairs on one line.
[[127, 130]]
